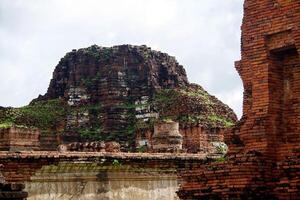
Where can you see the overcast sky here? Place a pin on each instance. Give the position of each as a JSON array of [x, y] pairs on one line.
[[204, 36]]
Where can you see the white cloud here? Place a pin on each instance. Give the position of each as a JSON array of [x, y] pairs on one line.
[[203, 35], [233, 98]]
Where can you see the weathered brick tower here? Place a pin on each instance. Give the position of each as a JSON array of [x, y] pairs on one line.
[[264, 148], [270, 70]]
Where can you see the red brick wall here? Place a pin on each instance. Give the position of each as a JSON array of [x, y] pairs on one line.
[[196, 139], [19, 139], [270, 40], [264, 148]]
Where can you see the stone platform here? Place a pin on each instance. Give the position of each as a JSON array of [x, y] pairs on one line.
[[40, 169]]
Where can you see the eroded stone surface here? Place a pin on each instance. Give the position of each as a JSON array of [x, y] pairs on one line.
[[118, 93], [166, 137], [89, 181]]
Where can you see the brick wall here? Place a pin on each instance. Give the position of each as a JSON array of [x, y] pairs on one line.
[[17, 139], [264, 148], [196, 139]]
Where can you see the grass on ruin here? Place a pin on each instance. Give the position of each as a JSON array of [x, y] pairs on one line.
[[221, 120], [221, 159], [116, 163], [89, 82], [198, 107], [197, 93], [98, 53], [43, 115], [91, 133], [6, 125]]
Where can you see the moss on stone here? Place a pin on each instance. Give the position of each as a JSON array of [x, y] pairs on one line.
[[215, 119], [192, 105], [89, 82], [6, 125], [92, 133]]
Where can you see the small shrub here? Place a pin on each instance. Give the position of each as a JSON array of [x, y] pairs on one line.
[[116, 163], [142, 149], [221, 159]]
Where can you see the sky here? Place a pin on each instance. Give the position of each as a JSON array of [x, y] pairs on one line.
[[203, 35]]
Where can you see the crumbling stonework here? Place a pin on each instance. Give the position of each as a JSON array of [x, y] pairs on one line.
[[18, 167], [112, 147], [199, 139], [195, 139], [264, 148], [166, 137], [18, 139], [113, 78], [115, 94]]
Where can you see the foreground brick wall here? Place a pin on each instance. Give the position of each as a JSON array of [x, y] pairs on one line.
[[18, 167], [264, 148]]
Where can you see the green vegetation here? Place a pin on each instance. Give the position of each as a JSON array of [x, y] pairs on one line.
[[165, 96], [222, 120], [43, 114], [167, 120], [127, 105], [191, 119], [164, 100], [93, 52], [9, 125], [142, 149], [106, 53], [93, 130], [93, 133], [116, 163], [6, 125], [98, 53], [221, 159], [90, 81], [190, 105], [197, 93], [91, 109], [125, 136]]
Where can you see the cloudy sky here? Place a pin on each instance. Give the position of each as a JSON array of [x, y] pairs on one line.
[[204, 36]]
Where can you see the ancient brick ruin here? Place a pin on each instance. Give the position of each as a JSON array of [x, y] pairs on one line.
[[195, 138], [120, 80], [264, 148], [263, 161], [19, 139], [20, 167], [118, 94], [166, 137]]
